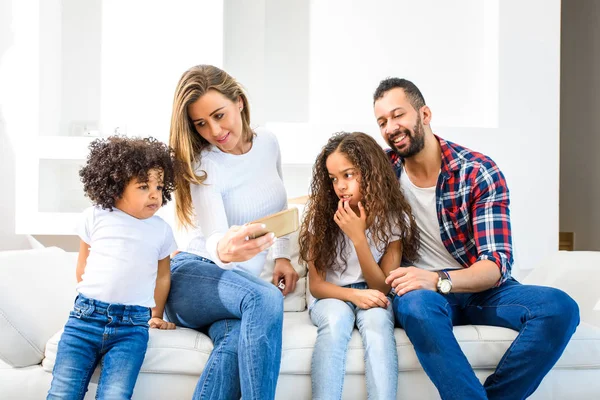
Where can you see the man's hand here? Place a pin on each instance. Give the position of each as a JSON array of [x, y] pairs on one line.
[[354, 226], [406, 279], [160, 323], [369, 298], [284, 270]]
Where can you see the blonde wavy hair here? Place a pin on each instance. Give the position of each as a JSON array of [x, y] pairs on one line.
[[186, 141]]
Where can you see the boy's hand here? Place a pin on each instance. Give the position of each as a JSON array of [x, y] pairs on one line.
[[160, 323], [354, 226]]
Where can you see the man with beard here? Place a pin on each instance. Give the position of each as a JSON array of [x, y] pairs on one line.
[[463, 275]]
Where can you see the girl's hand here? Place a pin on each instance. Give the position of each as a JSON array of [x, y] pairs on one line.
[[238, 244], [369, 298], [284, 270], [354, 226], [160, 323]]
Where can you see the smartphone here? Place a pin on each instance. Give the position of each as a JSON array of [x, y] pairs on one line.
[[281, 223]]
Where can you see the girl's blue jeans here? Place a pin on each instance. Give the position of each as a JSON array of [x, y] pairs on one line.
[[335, 320]]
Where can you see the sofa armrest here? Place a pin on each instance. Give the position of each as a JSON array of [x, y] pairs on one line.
[[37, 289], [578, 274]]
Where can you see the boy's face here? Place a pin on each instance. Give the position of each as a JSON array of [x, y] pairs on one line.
[[142, 199]]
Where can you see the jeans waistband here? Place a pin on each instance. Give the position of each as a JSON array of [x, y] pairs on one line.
[[114, 309], [185, 255]]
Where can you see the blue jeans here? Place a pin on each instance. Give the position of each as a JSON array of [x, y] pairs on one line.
[[545, 318], [335, 321], [115, 334], [244, 318]]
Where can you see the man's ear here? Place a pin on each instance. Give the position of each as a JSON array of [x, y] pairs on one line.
[[425, 115]]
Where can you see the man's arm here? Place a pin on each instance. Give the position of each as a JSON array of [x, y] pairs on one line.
[[490, 219]]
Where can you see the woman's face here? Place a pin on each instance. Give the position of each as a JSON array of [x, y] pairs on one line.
[[219, 121]]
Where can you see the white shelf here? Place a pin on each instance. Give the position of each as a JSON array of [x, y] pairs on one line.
[[63, 147]]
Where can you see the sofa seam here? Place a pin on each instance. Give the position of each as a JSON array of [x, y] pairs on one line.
[[35, 348]]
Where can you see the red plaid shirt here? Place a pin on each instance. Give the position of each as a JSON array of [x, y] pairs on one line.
[[472, 207]]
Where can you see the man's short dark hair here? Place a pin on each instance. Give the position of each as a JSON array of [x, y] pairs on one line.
[[412, 92]]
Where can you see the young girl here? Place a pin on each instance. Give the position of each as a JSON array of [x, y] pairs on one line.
[[122, 271], [356, 230]]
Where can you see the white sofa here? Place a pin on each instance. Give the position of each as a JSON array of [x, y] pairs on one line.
[[37, 292]]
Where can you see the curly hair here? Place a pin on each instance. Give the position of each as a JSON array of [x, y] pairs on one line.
[[387, 210], [114, 161]]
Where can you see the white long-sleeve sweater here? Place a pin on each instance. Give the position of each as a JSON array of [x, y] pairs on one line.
[[238, 189]]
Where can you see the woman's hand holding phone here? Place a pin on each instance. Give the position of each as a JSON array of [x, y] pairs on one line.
[[237, 245]]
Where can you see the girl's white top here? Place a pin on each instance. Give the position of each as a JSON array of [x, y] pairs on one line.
[[238, 189], [124, 253]]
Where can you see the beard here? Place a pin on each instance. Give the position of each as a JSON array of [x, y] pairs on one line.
[[416, 140]]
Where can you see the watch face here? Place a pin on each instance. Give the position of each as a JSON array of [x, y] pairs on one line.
[[445, 286]]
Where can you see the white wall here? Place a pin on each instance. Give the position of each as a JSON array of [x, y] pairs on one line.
[[488, 69], [580, 123], [9, 60]]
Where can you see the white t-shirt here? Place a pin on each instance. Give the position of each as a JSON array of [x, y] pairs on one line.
[[353, 272], [239, 189], [433, 255], [124, 253]]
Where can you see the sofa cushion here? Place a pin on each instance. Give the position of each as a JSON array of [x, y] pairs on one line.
[[23, 276], [295, 301], [185, 351]]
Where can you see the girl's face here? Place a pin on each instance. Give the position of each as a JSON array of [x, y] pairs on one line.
[[345, 178], [142, 199], [219, 121]]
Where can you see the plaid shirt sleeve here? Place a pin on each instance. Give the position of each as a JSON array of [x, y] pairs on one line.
[[491, 219]]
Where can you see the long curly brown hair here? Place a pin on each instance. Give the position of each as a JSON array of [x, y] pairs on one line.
[[387, 210], [116, 160]]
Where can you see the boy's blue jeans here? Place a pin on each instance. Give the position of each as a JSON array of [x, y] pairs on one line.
[[545, 318], [115, 334], [335, 320]]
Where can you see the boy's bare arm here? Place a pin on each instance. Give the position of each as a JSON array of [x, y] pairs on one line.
[[161, 292], [84, 252]]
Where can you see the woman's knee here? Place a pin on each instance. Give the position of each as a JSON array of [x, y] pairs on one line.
[[268, 298]]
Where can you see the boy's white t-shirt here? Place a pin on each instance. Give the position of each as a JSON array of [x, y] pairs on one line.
[[124, 253]]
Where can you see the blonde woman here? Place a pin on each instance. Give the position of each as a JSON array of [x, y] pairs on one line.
[[232, 176]]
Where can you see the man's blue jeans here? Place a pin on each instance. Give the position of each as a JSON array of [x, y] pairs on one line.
[[244, 318], [545, 318], [116, 334], [335, 320]]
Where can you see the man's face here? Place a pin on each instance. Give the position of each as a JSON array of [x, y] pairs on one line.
[[399, 123]]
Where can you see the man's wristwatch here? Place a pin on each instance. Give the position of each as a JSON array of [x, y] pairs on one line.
[[444, 285]]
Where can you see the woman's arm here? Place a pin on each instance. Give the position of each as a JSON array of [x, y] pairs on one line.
[[363, 298], [161, 291], [84, 252], [224, 244]]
